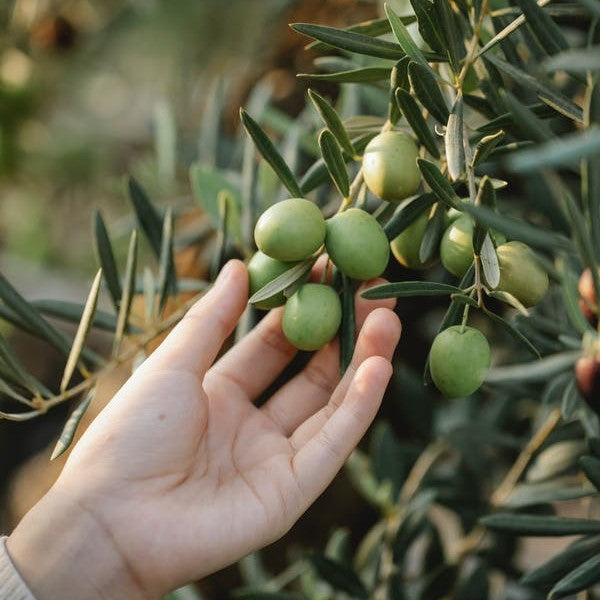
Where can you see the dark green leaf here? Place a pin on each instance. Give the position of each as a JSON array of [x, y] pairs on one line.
[[499, 373], [413, 116], [332, 155], [350, 41], [485, 146], [413, 524], [432, 236], [452, 35], [347, 331], [402, 289], [128, 291], [72, 311], [270, 154], [453, 138], [339, 575], [525, 120], [167, 279], [439, 185], [283, 281], [546, 94], [510, 300], [361, 75], [408, 214], [591, 170], [539, 370], [581, 578], [464, 299], [591, 467], [106, 259], [17, 372], [592, 5], [438, 583], [332, 121], [146, 214], [570, 401], [82, 331], [70, 428], [475, 586], [259, 595], [428, 26], [544, 28], [426, 89], [404, 38], [539, 525]]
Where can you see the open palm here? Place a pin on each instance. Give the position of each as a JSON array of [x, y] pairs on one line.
[[185, 474]]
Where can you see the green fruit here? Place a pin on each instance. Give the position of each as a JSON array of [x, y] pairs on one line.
[[456, 248], [459, 360], [405, 247], [312, 316], [262, 269], [290, 230], [357, 244], [520, 273], [389, 166]]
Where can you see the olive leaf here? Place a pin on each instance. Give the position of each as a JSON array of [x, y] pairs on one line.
[[127, 294], [404, 38], [433, 234], [332, 121], [70, 427], [412, 113], [334, 160], [453, 138], [106, 259], [147, 216], [581, 578], [425, 88], [486, 146], [359, 75], [439, 185], [544, 28], [283, 281], [539, 525], [407, 214], [347, 330], [402, 289]]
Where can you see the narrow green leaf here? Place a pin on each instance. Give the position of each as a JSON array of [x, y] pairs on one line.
[[31, 317], [485, 146], [510, 28], [404, 38], [82, 331], [510, 300], [591, 467], [283, 281], [592, 5], [332, 121], [544, 28], [408, 214], [402, 289], [260, 595], [464, 299], [539, 525], [72, 312], [581, 578], [17, 372], [528, 125], [439, 185], [339, 575], [499, 374], [539, 370], [412, 113], [453, 138], [70, 428], [591, 168], [516, 229], [270, 154], [360, 75], [147, 216], [106, 259], [128, 291], [334, 161], [475, 586], [426, 89], [221, 241], [452, 36], [348, 328], [486, 196], [166, 264], [429, 27], [489, 264], [350, 41], [546, 94], [438, 582], [432, 236]]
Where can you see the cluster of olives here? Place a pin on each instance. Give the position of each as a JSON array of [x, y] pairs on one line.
[[293, 230]]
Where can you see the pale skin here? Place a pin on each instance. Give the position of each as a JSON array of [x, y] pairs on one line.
[[181, 474]]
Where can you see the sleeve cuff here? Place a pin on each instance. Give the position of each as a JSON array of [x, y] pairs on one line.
[[12, 586]]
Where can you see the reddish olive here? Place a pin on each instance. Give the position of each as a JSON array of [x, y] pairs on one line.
[[587, 376], [389, 166], [357, 244], [587, 298], [459, 360], [290, 230], [521, 274], [312, 316]]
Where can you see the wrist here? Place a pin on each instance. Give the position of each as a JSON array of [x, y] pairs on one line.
[[61, 550]]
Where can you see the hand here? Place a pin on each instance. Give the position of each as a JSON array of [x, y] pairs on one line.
[[181, 474]]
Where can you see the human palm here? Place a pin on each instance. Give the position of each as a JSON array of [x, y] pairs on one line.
[[185, 474]]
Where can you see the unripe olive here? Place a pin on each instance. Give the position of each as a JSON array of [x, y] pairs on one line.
[[290, 230], [456, 248], [587, 301], [587, 376], [389, 166], [262, 269], [520, 273], [312, 316], [405, 247], [459, 360], [357, 244]]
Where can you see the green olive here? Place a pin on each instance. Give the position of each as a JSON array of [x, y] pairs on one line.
[[290, 230], [459, 360], [312, 316], [405, 247], [262, 269], [520, 273], [389, 166], [357, 244], [456, 248]]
